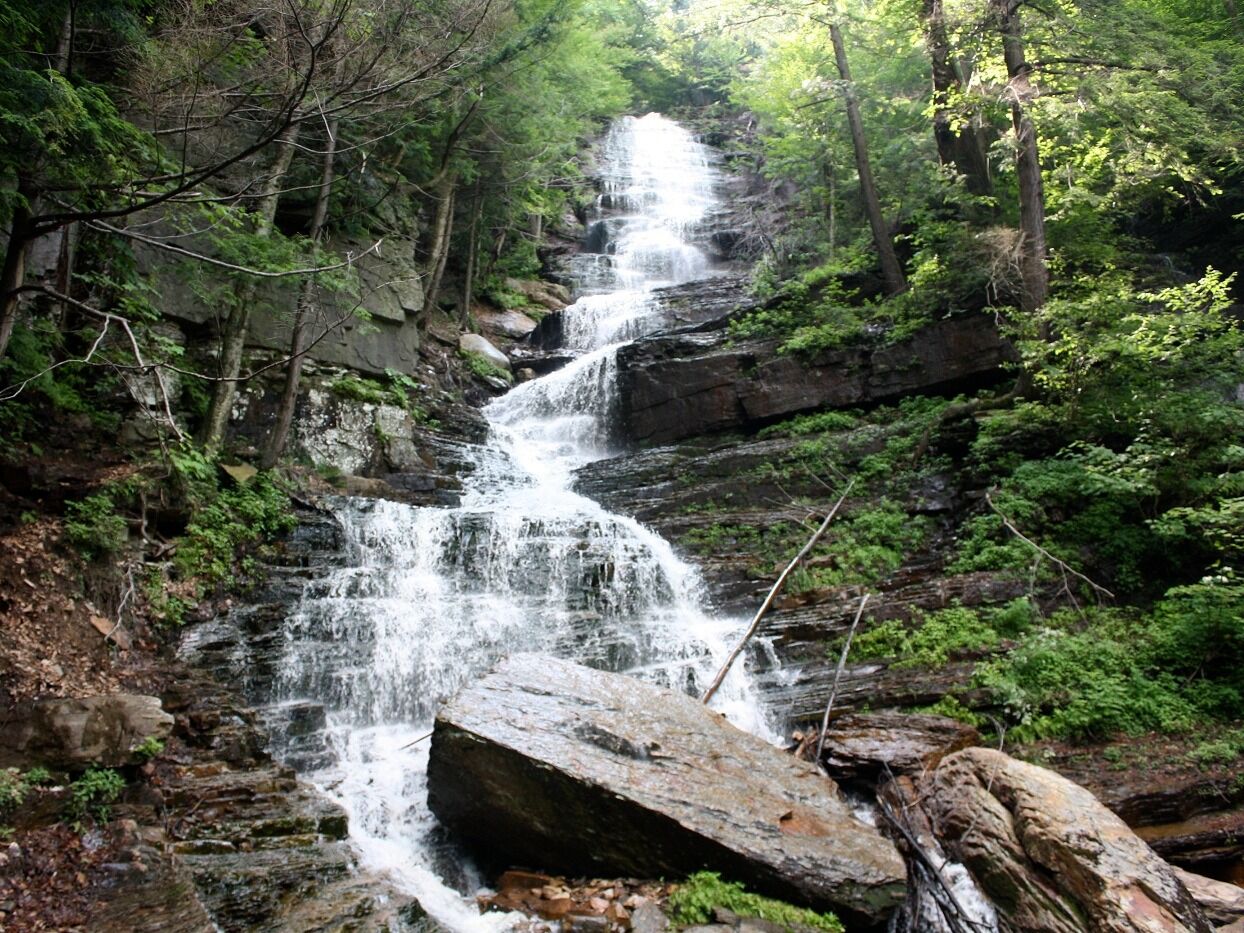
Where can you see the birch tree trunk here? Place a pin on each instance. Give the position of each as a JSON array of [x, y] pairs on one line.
[[891, 271]]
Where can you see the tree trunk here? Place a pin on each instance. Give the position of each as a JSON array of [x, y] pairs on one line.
[[1033, 268], [964, 149], [442, 229], [233, 340], [303, 313], [64, 43], [468, 278], [891, 271], [13, 272]]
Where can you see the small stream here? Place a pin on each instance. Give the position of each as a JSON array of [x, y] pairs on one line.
[[429, 598]]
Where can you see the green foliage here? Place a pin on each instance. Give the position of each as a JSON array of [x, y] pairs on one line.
[[399, 391], [148, 748], [863, 548], [929, 639], [819, 423], [950, 707], [362, 389], [93, 526], [1224, 750], [813, 312], [495, 290], [482, 367], [30, 360], [14, 785], [92, 796], [225, 525], [693, 902], [1120, 670]]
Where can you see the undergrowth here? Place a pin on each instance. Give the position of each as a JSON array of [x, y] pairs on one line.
[[694, 901], [481, 366]]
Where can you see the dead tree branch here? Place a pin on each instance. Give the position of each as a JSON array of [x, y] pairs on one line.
[[781, 581], [833, 692]]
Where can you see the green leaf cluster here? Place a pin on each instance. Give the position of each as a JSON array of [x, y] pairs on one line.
[[92, 795], [694, 901]]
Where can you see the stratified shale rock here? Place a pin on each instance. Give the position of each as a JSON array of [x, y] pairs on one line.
[[685, 384], [864, 745], [563, 767]]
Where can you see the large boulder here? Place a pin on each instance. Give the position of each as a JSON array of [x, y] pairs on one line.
[[76, 733], [682, 385], [550, 295], [1048, 854], [474, 343], [557, 766], [1222, 901]]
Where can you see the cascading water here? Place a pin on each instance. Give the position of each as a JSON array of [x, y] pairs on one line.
[[432, 597]]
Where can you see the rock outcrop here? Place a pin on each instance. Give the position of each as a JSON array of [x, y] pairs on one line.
[[1048, 854], [474, 343], [77, 733], [686, 384], [861, 746], [563, 767]]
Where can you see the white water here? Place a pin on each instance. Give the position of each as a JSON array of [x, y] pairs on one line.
[[430, 598]]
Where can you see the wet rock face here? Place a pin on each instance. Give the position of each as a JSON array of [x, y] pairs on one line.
[[682, 385], [1047, 854], [75, 733], [551, 764], [862, 745]]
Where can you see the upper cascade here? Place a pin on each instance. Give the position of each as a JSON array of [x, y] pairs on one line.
[[658, 184]]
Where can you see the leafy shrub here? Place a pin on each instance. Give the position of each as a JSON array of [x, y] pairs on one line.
[[361, 389], [93, 526], [928, 640], [1220, 751], [950, 707], [693, 902], [148, 748], [228, 523], [863, 548], [92, 796], [399, 391], [1086, 681], [819, 423]]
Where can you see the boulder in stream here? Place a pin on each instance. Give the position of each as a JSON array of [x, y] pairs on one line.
[[1048, 854], [562, 767]]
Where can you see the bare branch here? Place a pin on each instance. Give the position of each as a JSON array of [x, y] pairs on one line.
[[781, 580]]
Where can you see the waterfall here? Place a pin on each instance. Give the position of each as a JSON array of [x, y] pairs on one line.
[[428, 598]]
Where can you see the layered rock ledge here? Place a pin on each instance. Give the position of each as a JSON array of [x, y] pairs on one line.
[[680, 385], [562, 767]]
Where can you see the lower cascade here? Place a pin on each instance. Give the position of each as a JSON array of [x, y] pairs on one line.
[[430, 598]]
